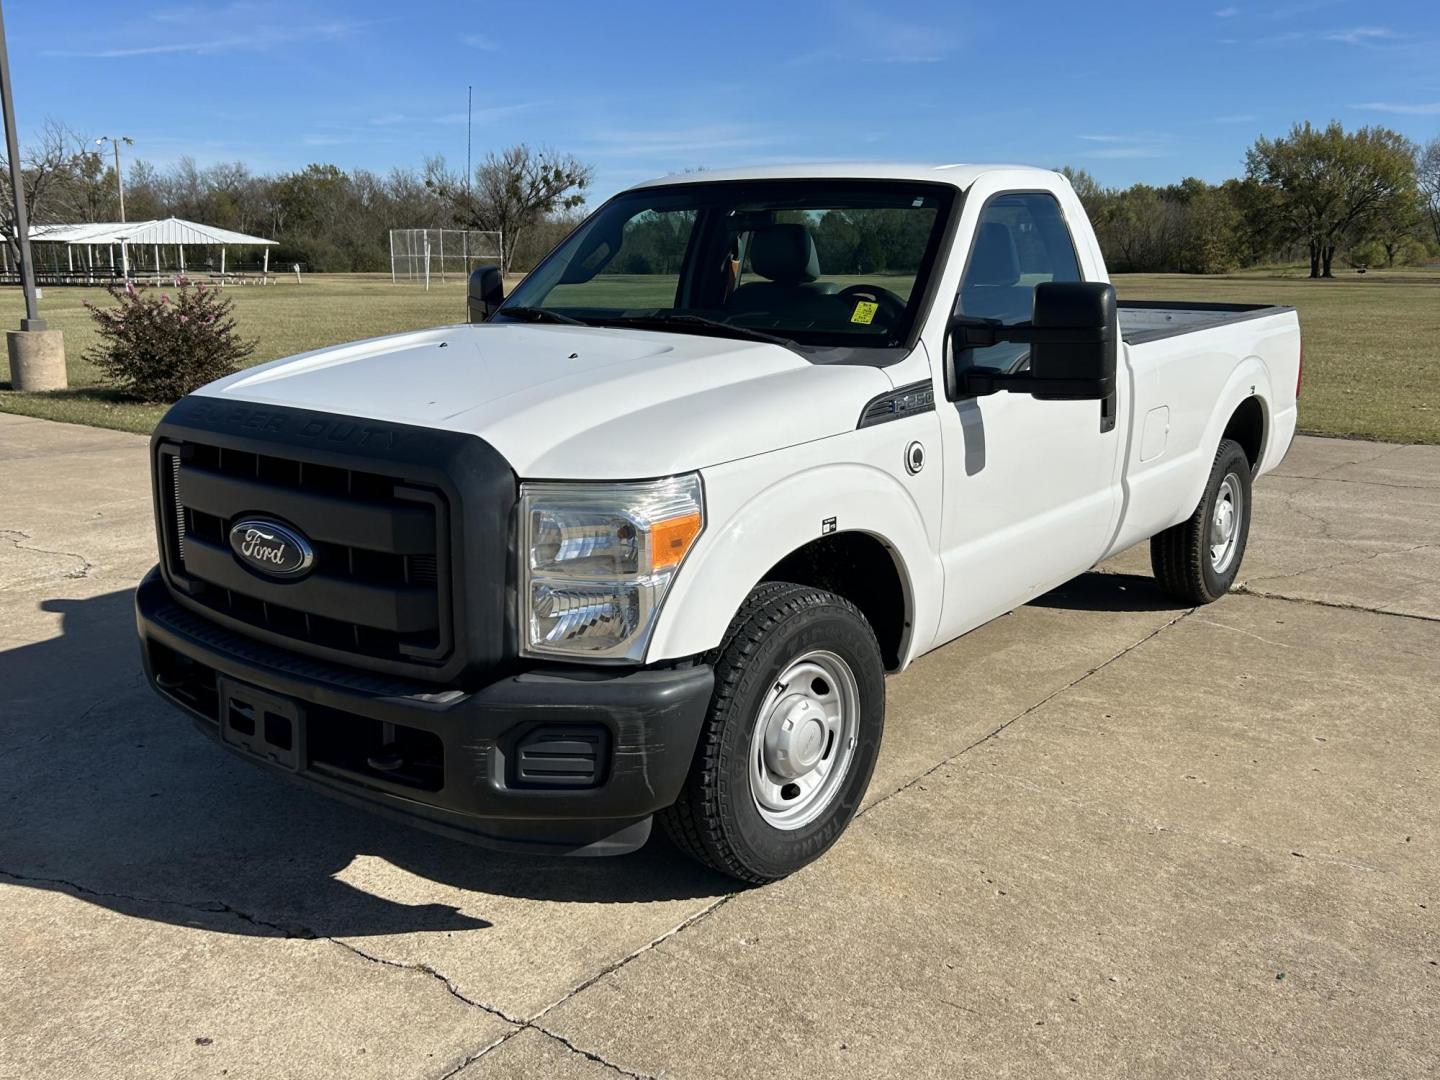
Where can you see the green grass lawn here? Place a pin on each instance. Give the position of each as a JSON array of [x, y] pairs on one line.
[[1372, 342], [282, 319]]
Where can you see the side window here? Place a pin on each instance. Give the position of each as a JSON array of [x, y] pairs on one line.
[[1021, 241]]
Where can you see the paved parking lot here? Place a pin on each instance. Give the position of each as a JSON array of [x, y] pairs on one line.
[[1107, 837]]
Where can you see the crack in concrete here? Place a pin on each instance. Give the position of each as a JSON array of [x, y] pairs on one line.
[[608, 969], [591, 1056], [15, 536], [1027, 711], [218, 907], [1347, 480], [1339, 563], [426, 969], [1387, 449], [1247, 633], [213, 907], [721, 901], [1247, 590], [1288, 498], [614, 966]]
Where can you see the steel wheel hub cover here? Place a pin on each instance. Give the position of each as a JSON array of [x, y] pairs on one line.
[[804, 739], [795, 738], [1225, 523]]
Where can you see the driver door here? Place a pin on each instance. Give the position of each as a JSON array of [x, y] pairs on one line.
[[1029, 496]]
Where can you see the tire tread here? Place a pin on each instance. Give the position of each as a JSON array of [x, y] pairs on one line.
[[693, 823], [1177, 555]]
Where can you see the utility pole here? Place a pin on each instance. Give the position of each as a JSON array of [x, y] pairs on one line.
[[469, 113], [32, 320], [37, 354], [115, 142]]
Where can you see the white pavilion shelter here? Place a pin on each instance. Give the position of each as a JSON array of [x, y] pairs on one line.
[[91, 247]]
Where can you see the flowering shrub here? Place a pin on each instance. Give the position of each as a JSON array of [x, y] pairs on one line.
[[154, 348]]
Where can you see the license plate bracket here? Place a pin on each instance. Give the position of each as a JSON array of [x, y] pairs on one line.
[[262, 724]]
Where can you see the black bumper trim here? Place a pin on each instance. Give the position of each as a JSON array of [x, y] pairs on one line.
[[653, 717]]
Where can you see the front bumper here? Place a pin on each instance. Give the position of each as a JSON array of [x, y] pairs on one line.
[[447, 760]]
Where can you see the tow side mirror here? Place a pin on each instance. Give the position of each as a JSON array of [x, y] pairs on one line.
[[487, 292], [1074, 341]]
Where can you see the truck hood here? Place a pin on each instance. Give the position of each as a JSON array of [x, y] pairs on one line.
[[576, 402]]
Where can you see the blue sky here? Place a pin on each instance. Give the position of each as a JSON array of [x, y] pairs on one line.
[[1132, 91]]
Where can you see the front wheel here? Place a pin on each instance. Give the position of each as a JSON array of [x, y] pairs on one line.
[[791, 738], [1197, 560]]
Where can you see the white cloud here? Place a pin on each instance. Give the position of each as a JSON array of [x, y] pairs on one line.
[[1361, 35], [1134, 145], [252, 38], [868, 33], [1419, 108], [1117, 153], [480, 41], [1227, 12]]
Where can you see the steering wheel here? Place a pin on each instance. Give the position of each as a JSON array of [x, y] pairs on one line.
[[891, 307]]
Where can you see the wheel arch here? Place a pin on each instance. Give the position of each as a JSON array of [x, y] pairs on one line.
[[1243, 407], [1248, 425], [862, 568], [839, 527]]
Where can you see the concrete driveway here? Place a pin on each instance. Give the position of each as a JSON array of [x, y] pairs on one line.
[[1107, 837]]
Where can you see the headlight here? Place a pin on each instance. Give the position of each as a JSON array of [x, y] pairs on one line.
[[597, 560]]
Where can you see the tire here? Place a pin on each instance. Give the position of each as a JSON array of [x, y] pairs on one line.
[[1184, 556], [754, 827]]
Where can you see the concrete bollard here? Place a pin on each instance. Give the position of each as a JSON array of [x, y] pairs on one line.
[[37, 359]]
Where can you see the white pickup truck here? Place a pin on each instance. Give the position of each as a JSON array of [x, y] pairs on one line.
[[645, 537]]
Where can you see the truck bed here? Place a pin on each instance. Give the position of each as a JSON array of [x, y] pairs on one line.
[[1152, 320]]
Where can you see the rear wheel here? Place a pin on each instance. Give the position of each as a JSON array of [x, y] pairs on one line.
[[791, 737], [1197, 561]]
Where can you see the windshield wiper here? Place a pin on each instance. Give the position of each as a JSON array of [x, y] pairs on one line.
[[698, 322], [540, 314]]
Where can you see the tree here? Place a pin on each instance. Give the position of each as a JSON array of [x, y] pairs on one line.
[[1399, 233], [1334, 186], [515, 189], [1209, 225], [1428, 175], [1085, 185], [52, 163]]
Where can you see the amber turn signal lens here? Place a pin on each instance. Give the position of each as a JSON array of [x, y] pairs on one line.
[[671, 539]]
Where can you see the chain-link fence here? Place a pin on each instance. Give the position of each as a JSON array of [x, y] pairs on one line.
[[420, 255]]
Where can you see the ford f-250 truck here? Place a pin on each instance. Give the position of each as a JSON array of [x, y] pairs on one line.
[[645, 537]]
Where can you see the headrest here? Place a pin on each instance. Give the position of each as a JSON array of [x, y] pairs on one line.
[[784, 253], [993, 262]]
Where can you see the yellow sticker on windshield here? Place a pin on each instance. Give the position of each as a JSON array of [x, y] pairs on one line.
[[864, 312]]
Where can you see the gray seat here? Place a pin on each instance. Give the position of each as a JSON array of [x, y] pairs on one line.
[[785, 254], [992, 289]]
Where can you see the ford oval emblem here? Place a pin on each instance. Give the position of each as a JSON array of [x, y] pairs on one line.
[[272, 549]]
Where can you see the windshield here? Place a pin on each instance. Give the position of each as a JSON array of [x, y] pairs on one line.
[[810, 262]]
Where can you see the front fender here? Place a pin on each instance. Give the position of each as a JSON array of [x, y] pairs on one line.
[[756, 514]]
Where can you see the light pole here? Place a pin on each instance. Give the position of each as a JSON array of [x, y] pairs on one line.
[[37, 354], [32, 320], [115, 141]]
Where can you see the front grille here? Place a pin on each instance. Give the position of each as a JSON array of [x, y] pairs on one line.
[[379, 585]]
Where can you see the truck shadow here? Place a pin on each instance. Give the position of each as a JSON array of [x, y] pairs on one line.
[[1101, 591], [111, 795]]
